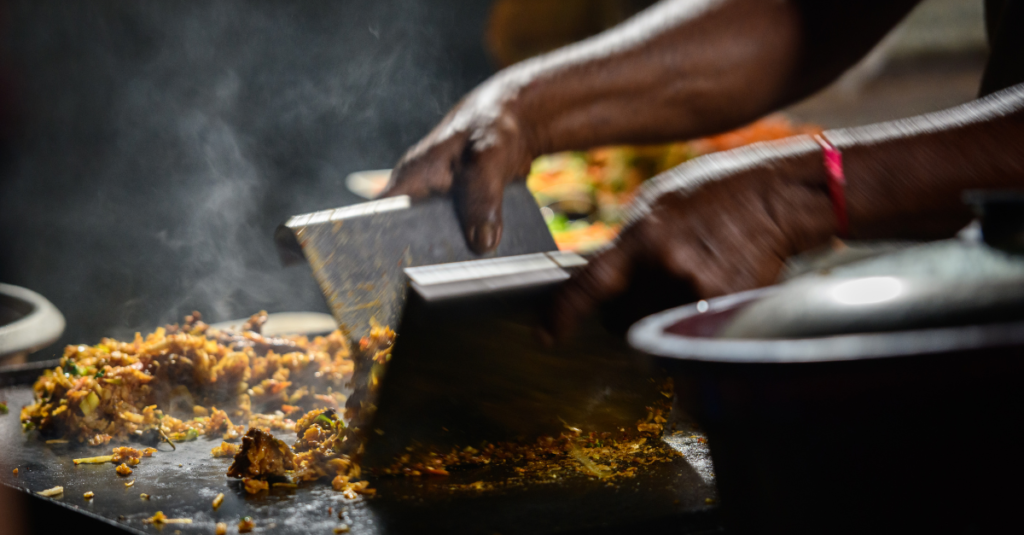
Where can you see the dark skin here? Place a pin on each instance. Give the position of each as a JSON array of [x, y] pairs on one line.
[[688, 68]]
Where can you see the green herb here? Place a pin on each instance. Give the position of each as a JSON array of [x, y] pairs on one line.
[[3, 408], [27, 426], [191, 434], [100, 373], [324, 419]]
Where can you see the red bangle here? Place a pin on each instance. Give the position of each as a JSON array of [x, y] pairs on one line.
[[836, 183]]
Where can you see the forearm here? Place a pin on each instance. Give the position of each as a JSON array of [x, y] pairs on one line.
[[678, 70], [686, 68], [906, 178]]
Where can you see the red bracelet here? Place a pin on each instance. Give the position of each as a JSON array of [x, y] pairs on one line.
[[836, 183]]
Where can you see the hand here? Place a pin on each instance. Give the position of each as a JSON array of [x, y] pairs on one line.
[[721, 224], [478, 148]]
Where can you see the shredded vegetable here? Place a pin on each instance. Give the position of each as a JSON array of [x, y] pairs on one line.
[[94, 460], [49, 493]]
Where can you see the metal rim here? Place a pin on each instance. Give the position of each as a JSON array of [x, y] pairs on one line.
[[38, 329], [648, 335]]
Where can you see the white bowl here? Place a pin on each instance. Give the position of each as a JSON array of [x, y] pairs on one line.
[[36, 322]]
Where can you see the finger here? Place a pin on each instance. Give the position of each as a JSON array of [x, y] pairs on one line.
[[479, 188], [606, 276], [422, 173], [420, 179]]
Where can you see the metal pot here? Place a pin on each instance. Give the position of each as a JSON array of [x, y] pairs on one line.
[[881, 396]]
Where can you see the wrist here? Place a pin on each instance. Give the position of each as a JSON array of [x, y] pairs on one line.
[[805, 207]]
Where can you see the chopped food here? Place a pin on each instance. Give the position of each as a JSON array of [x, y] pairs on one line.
[[225, 450], [327, 449], [3, 407], [190, 370], [187, 436], [99, 439], [49, 493], [171, 383], [221, 528], [261, 455], [143, 496], [57, 441], [342, 529], [129, 483], [246, 524], [127, 457], [254, 486], [160, 518], [15, 471], [130, 456], [88, 495], [600, 455], [317, 454]]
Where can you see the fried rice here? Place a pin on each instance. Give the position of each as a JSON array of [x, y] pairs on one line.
[[187, 380]]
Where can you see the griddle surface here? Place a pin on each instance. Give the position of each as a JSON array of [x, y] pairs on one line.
[[672, 496]]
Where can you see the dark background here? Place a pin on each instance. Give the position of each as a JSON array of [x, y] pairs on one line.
[[151, 148]]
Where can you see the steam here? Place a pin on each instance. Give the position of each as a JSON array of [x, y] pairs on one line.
[[165, 140]]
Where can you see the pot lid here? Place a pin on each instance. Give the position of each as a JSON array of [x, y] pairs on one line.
[[958, 282]]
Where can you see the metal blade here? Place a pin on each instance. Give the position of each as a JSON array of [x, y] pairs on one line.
[[357, 252]]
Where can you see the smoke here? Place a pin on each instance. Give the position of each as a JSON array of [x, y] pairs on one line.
[[163, 142]]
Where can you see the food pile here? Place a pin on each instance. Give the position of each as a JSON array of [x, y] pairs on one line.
[[586, 192], [325, 447], [172, 382], [185, 381], [318, 453]]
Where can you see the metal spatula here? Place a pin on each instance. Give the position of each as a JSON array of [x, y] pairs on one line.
[[466, 366]]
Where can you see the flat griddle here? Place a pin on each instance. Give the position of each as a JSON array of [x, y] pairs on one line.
[[182, 483]]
